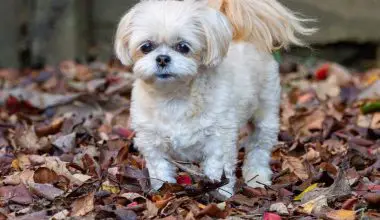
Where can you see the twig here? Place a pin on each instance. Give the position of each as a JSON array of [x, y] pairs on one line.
[[266, 186], [282, 173], [186, 169], [252, 178]]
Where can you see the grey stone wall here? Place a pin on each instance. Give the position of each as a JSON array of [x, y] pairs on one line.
[[87, 27], [341, 20], [8, 33]]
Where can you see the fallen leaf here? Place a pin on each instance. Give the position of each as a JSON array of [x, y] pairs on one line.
[[308, 189], [65, 143], [47, 191], [312, 156], [303, 123], [372, 92], [184, 179], [375, 124], [349, 203], [50, 129], [45, 175], [371, 107], [151, 209], [341, 215], [61, 215], [125, 214], [280, 208], [6, 163], [37, 99], [18, 194], [315, 205], [295, 165], [213, 211], [109, 187], [322, 72], [240, 199], [271, 216], [27, 140], [83, 205], [373, 198]]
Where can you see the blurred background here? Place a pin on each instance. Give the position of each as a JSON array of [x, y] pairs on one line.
[[38, 32]]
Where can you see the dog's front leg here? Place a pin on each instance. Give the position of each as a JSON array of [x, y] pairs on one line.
[[221, 156], [160, 170]]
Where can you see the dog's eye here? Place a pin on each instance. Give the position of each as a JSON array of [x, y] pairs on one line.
[[182, 47], [147, 47]]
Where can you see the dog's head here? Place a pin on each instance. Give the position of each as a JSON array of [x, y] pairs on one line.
[[169, 40]]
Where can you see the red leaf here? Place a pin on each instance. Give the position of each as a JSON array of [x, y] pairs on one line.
[[132, 204], [184, 179], [322, 72], [125, 132], [271, 216], [349, 203]]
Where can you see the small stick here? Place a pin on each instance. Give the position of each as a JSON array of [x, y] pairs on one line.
[[186, 169], [252, 178], [282, 173], [266, 186]]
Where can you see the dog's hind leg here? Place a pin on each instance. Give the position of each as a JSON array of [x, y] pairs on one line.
[[256, 168]]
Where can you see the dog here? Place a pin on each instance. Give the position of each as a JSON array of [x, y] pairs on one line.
[[204, 69]]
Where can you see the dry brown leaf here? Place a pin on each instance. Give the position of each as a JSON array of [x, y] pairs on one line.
[[26, 139], [363, 121], [65, 143], [375, 124], [213, 211], [280, 208], [335, 147], [61, 215], [312, 156], [305, 122], [45, 175], [151, 209], [16, 178], [47, 191], [341, 215], [50, 129], [295, 165], [18, 194], [313, 206], [58, 166], [83, 205], [372, 92]]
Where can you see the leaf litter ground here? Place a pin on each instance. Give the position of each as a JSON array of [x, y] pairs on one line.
[[66, 150]]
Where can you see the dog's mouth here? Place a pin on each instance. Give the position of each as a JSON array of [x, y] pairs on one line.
[[164, 76]]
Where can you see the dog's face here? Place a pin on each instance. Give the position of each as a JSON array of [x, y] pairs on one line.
[[169, 40]]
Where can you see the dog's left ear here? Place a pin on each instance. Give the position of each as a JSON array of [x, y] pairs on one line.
[[218, 34]]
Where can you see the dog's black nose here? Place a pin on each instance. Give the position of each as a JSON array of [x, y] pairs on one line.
[[163, 60]]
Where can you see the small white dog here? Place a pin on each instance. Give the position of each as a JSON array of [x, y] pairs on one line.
[[204, 69]]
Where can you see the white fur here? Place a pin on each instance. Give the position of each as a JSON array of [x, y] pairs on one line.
[[216, 89]]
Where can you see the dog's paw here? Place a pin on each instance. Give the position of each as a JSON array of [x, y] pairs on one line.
[[226, 191], [258, 177]]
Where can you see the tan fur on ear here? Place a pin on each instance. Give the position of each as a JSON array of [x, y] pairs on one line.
[[266, 23], [215, 4]]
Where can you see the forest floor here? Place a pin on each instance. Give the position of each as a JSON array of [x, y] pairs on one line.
[[66, 150]]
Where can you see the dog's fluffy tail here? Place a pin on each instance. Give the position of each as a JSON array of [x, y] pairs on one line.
[[266, 23]]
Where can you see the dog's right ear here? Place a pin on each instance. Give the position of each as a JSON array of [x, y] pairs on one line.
[[123, 34], [218, 35]]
